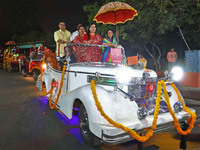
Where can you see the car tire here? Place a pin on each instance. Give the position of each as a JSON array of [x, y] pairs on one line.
[[35, 75], [88, 137], [24, 72], [4, 66], [10, 68]]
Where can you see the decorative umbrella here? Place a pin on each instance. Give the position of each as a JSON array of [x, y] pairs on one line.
[[114, 13], [10, 43]]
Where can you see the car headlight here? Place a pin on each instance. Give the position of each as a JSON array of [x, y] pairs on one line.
[[44, 66], [178, 107], [142, 113], [177, 73], [124, 75]]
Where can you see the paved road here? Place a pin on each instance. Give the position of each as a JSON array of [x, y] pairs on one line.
[[27, 122]]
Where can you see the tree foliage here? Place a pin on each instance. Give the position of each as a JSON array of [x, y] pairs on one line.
[[156, 26], [18, 17]]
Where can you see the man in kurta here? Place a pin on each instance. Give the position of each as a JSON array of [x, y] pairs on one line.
[[61, 37]]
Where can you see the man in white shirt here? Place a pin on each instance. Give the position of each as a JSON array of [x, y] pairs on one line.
[[61, 37], [75, 33]]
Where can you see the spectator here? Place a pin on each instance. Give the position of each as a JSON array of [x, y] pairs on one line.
[[171, 57], [14, 50], [47, 50], [92, 53], [33, 49], [61, 37], [142, 62], [41, 48], [109, 40]]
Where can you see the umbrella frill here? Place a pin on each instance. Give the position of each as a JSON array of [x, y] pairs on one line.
[[115, 12]]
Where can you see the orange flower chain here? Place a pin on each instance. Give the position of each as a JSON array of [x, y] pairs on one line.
[[143, 138], [52, 87], [134, 134], [191, 120]]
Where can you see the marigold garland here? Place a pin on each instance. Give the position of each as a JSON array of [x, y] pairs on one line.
[[59, 92], [134, 134], [51, 90], [191, 120], [143, 138]]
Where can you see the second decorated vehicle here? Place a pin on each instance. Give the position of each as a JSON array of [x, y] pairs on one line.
[[32, 65]]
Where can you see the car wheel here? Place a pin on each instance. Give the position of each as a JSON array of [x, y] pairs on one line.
[[88, 137], [9, 68], [35, 75], [4, 66], [24, 72]]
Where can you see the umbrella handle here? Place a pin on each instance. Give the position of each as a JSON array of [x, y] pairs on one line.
[[117, 38]]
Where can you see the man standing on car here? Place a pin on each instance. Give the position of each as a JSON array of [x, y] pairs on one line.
[[61, 37], [171, 57]]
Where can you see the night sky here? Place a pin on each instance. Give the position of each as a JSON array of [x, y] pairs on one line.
[[21, 16], [54, 10]]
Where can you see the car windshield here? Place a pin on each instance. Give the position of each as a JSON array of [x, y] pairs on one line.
[[36, 56]]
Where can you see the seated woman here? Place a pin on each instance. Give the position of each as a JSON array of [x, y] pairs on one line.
[[78, 51], [47, 50], [109, 40], [41, 48], [92, 53]]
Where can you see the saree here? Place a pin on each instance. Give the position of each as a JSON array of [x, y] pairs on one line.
[[78, 51], [106, 55], [93, 53]]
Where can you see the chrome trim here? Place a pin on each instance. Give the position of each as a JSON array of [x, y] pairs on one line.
[[125, 137]]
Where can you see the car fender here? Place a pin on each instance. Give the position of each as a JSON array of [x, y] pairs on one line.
[[114, 104], [174, 97], [47, 79]]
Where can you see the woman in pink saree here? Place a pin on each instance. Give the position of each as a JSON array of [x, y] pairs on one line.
[[92, 53]]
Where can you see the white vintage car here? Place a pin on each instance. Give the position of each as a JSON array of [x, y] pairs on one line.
[[127, 96]]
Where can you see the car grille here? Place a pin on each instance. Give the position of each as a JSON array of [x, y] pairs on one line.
[[144, 98]]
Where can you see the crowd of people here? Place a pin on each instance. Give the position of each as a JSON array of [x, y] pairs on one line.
[[41, 49], [89, 53]]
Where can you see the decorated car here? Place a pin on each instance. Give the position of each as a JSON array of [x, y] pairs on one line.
[[116, 103], [10, 59], [31, 65]]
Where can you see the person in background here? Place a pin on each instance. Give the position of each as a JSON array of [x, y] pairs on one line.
[[21, 61], [61, 37], [75, 33], [171, 57], [17, 50], [41, 48], [110, 41], [79, 50], [14, 49], [92, 53], [142, 62], [47, 50], [33, 49]]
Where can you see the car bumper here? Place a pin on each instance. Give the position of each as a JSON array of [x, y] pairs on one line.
[[112, 135]]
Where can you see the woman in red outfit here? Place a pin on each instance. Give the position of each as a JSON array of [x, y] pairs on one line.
[[41, 48], [92, 54], [79, 50]]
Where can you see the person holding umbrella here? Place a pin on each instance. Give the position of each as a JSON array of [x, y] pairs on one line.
[[110, 41]]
